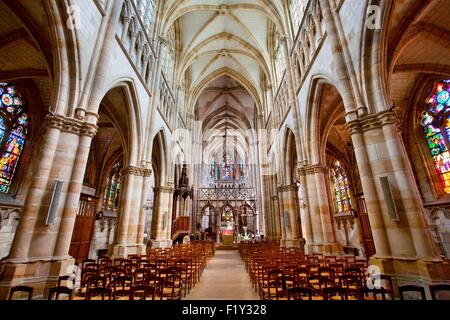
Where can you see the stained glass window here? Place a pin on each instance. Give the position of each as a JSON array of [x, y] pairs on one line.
[[13, 133], [436, 126], [341, 187], [112, 189]]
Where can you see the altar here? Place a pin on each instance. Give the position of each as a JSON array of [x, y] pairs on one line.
[[228, 233]]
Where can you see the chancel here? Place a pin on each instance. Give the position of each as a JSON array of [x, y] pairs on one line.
[[224, 150]]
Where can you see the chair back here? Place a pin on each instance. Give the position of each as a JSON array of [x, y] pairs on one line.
[[438, 288], [70, 279], [372, 294], [299, 293], [332, 292], [57, 291], [99, 291], [21, 289], [412, 289]]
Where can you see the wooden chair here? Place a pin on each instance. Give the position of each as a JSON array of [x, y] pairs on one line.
[[301, 277], [351, 283], [69, 279], [87, 262], [434, 289], [118, 262], [327, 273], [387, 285], [331, 293], [414, 289], [278, 289], [171, 286], [143, 292], [289, 269], [21, 289], [57, 291], [186, 275], [298, 293], [269, 286], [121, 287], [372, 294], [357, 272], [140, 276], [317, 284], [99, 292], [329, 260]]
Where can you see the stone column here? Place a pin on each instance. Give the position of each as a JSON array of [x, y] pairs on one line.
[[319, 208], [305, 210], [143, 213], [87, 132], [163, 214], [40, 252], [381, 153], [130, 233], [289, 206], [277, 232], [368, 184]]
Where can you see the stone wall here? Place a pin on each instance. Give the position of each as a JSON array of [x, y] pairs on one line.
[[9, 219], [102, 237]]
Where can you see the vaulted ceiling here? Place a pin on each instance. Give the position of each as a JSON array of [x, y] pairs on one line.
[[225, 54], [417, 49], [229, 37]]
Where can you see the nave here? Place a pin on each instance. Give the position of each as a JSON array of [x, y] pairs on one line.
[[225, 278]]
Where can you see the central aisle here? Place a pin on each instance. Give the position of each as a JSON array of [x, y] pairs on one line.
[[225, 278]]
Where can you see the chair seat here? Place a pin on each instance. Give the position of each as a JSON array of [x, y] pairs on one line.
[[167, 291], [98, 298], [271, 290]]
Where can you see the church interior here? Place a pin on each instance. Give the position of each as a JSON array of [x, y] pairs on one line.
[[224, 150]]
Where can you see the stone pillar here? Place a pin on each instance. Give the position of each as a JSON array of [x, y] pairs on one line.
[[305, 212], [142, 210], [405, 249], [88, 131], [163, 215], [277, 232], [383, 250], [130, 231], [289, 205], [40, 252], [323, 238]]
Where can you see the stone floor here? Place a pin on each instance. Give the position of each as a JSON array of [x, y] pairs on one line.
[[225, 278]]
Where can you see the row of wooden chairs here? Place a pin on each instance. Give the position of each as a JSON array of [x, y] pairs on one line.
[[162, 274], [435, 292]]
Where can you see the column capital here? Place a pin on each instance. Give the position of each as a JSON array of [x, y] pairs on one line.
[[288, 188], [165, 189], [137, 171], [372, 121], [313, 169], [71, 125]]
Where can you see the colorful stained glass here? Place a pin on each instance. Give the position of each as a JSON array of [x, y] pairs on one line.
[[112, 189], [342, 188], [13, 133], [436, 124]]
